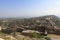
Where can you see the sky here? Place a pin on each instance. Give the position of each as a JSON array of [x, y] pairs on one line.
[[29, 8]]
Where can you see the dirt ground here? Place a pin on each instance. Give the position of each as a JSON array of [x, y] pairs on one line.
[[1, 39], [54, 37]]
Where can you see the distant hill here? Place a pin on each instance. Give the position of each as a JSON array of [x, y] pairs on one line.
[[32, 21], [54, 19]]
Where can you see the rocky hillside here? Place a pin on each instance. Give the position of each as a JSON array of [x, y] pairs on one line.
[[31, 21], [42, 20]]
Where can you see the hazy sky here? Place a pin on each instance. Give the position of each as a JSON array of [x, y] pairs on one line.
[[29, 8]]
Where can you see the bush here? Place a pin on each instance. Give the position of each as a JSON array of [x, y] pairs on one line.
[[47, 38], [34, 35]]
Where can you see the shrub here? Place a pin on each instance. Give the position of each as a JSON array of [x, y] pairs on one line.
[[34, 35], [47, 38]]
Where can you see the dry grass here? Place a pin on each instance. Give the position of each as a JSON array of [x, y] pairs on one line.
[[54, 37]]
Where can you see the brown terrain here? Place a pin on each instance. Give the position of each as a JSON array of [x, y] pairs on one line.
[[45, 25]]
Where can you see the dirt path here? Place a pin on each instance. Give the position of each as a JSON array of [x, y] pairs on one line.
[[54, 37]]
